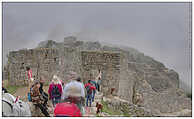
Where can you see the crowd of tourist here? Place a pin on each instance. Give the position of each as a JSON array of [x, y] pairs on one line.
[[68, 97]]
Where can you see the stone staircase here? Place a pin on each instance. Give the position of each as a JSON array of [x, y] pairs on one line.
[[91, 111]]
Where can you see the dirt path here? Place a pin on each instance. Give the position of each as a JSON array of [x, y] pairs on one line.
[[23, 91]]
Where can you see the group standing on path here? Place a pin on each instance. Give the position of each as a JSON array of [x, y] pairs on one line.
[[73, 95]]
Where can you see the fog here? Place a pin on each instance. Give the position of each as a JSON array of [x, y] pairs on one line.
[[159, 30]]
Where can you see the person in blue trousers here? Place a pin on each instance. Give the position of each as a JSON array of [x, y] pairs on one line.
[[94, 91], [89, 89]]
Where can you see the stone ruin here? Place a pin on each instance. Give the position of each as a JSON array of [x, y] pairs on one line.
[[108, 62], [48, 61], [137, 78], [39, 60]]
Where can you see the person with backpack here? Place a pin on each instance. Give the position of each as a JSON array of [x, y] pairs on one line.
[[4, 90], [89, 89], [94, 91], [67, 109], [74, 91], [42, 92], [14, 107], [55, 90], [37, 99]]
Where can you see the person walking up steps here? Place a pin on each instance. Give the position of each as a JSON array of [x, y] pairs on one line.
[[89, 89], [55, 91], [93, 82], [99, 79]]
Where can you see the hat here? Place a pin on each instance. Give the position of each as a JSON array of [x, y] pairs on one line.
[[73, 91]]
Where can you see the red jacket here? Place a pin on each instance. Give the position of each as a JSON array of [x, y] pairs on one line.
[[67, 110], [91, 86], [51, 87], [29, 74]]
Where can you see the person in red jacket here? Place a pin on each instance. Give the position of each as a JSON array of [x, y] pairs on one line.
[[55, 90], [29, 77], [89, 88], [67, 109]]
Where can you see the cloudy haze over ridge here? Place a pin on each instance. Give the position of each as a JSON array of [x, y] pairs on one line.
[[159, 30]]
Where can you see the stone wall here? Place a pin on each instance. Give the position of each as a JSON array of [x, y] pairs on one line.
[[127, 108], [49, 61], [108, 63], [41, 61]]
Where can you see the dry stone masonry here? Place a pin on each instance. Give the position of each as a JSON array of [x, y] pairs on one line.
[[137, 78], [107, 62], [43, 60]]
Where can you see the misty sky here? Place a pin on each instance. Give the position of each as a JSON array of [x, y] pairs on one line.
[[159, 30]]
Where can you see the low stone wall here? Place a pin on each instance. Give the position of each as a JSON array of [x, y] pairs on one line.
[[126, 108]]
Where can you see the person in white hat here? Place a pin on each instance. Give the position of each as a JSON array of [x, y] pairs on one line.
[[74, 90], [73, 85]]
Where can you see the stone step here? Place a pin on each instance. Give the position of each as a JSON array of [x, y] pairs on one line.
[[97, 96]]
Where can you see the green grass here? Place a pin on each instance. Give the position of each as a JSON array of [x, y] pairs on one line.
[[126, 115], [109, 110], [97, 115], [12, 89]]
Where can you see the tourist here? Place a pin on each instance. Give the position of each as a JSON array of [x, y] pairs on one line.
[[29, 77], [55, 90], [94, 91], [74, 91], [4, 90], [99, 80], [89, 89], [82, 102], [66, 109], [73, 84], [42, 92], [37, 98]]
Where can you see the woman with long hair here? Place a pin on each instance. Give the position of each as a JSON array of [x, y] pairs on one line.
[[55, 90]]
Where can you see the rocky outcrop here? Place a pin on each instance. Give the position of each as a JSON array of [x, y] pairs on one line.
[[168, 101]]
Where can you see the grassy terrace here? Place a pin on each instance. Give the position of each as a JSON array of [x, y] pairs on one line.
[[11, 89], [112, 112]]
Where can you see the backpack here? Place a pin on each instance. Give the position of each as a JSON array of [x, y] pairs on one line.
[[67, 109], [88, 89], [29, 97], [13, 108], [55, 92], [35, 96]]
